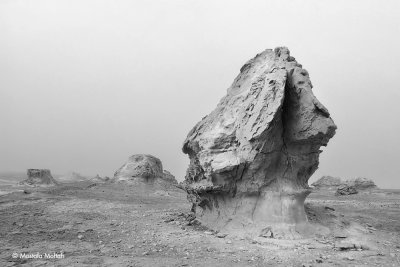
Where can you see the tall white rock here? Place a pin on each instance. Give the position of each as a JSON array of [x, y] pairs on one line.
[[251, 158]]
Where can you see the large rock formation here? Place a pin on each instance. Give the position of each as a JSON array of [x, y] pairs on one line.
[[39, 177], [143, 167], [251, 158]]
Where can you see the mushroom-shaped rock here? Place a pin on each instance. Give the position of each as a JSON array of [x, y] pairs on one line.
[[251, 158], [39, 177]]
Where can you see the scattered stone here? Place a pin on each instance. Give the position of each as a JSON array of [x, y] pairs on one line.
[[208, 232], [80, 236], [221, 235], [267, 232], [26, 191], [344, 245], [329, 208]]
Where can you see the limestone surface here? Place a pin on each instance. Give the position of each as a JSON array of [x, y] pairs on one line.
[[251, 158]]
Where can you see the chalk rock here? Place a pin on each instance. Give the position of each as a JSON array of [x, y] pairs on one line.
[[251, 158], [327, 182], [39, 177]]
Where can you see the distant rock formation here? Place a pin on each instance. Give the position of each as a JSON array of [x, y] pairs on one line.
[[251, 158], [361, 183], [142, 167], [39, 177], [327, 182], [334, 183], [72, 177]]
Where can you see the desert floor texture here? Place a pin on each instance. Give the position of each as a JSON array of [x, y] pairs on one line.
[[115, 224]]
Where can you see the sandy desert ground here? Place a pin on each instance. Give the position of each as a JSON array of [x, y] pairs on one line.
[[94, 224]]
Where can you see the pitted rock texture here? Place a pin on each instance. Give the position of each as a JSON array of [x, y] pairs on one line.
[[251, 158], [39, 177]]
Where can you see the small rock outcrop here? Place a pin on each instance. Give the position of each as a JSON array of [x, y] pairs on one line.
[[344, 190], [327, 182], [142, 167], [39, 177], [251, 158]]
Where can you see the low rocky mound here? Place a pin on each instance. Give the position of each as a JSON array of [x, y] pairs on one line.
[[39, 177], [327, 182], [361, 183], [351, 186], [142, 167]]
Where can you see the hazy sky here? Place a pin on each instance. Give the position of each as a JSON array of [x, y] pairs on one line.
[[85, 84]]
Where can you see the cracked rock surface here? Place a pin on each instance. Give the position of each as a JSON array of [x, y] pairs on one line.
[[251, 158]]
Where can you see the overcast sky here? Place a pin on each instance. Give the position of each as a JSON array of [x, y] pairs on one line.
[[86, 84]]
